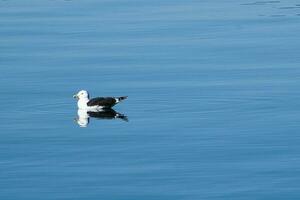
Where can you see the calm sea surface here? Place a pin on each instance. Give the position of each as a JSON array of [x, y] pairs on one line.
[[213, 107]]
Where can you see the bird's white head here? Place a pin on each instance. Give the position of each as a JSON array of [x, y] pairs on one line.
[[82, 94]]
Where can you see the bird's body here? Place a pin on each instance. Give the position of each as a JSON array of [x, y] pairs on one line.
[[97, 103]]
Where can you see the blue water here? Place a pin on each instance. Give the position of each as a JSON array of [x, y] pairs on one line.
[[213, 104]]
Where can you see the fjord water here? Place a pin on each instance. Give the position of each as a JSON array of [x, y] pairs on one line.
[[213, 103]]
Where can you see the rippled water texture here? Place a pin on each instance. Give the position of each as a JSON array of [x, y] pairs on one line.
[[213, 106]]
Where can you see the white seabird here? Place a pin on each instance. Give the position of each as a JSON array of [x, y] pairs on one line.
[[98, 103]]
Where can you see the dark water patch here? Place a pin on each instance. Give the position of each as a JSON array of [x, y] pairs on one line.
[[277, 15], [260, 3], [288, 7]]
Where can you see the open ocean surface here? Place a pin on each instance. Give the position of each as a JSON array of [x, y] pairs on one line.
[[213, 107]]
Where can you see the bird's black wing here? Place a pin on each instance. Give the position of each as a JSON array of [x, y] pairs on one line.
[[106, 102]]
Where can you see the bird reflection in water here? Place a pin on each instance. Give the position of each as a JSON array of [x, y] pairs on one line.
[[84, 116]]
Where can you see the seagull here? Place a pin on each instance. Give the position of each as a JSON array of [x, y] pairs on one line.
[[96, 104]]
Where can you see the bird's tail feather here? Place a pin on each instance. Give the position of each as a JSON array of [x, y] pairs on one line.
[[122, 98]]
